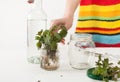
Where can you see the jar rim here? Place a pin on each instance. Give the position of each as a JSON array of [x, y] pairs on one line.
[[80, 36]]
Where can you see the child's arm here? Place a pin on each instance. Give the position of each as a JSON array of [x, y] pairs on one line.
[[70, 8], [67, 18]]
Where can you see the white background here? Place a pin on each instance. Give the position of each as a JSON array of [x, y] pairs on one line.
[[13, 16], [13, 36]]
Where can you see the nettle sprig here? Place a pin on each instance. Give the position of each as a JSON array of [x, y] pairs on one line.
[[106, 70], [49, 38]]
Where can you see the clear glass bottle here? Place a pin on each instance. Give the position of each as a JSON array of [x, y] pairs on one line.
[[37, 20], [78, 47]]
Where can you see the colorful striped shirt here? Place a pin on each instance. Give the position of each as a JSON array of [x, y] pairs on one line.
[[101, 18]]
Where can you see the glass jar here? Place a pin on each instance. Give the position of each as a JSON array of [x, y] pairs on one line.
[[78, 47], [49, 59], [36, 20]]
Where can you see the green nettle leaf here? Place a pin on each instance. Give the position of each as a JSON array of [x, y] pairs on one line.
[[110, 63], [41, 40], [40, 32], [105, 79], [63, 33], [37, 38], [54, 28], [38, 45], [53, 45], [119, 62], [58, 37], [105, 63], [118, 75], [46, 32], [46, 40]]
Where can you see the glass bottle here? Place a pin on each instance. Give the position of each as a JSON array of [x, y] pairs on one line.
[[79, 46], [37, 20]]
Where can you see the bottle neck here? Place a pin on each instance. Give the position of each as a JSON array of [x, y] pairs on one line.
[[38, 4]]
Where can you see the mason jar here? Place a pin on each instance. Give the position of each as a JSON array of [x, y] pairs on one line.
[[79, 46], [49, 59]]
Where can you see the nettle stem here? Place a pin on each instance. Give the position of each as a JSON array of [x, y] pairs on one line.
[[51, 52]]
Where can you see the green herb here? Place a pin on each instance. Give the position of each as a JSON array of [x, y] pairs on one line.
[[50, 38], [106, 69]]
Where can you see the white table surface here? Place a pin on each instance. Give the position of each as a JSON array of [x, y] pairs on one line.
[[15, 68]]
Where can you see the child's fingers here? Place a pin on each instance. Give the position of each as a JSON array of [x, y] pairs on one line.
[[30, 1], [63, 41]]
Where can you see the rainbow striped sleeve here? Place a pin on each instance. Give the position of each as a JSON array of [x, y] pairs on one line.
[[102, 19]]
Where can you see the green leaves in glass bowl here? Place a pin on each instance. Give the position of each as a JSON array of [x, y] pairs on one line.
[[104, 70]]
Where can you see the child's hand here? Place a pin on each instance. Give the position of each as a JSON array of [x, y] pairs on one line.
[[67, 21], [63, 41]]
